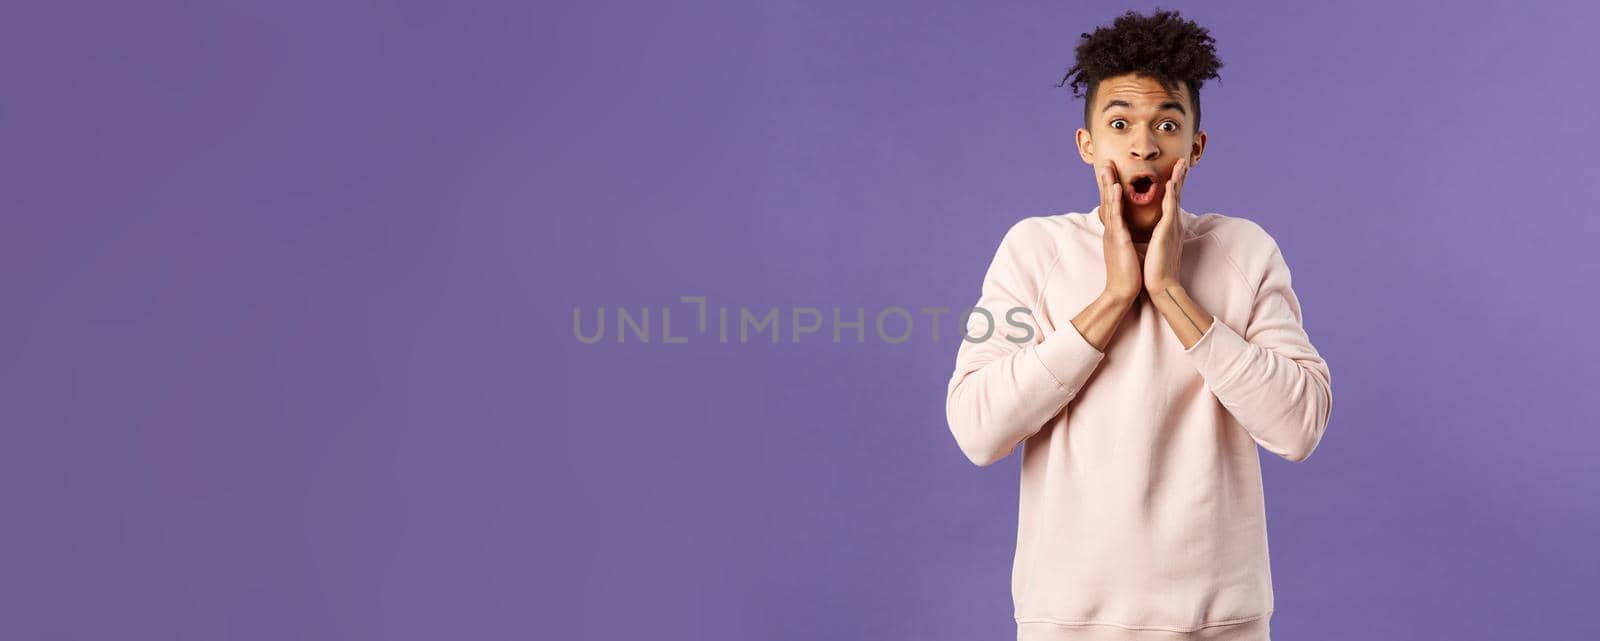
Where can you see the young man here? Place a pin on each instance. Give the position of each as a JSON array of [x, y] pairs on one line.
[[1157, 349]]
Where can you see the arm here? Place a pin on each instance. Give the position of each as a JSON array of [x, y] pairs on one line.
[[1004, 391], [1185, 316], [1271, 379]]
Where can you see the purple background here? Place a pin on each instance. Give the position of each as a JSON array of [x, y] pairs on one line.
[[289, 286]]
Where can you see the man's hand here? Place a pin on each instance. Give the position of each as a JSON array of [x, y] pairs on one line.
[[1163, 256], [1122, 260]]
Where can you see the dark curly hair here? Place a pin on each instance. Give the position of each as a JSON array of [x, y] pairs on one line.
[[1162, 46]]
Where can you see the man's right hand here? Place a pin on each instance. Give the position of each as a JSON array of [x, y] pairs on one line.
[[1124, 265]]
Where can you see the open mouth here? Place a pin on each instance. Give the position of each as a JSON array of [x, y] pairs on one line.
[[1143, 189]]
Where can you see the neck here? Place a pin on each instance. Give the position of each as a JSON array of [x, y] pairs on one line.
[[1141, 223]]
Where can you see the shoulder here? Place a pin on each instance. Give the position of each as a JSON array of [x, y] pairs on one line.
[[1232, 231], [1029, 250], [1247, 244], [1035, 239], [1238, 235], [1035, 229]]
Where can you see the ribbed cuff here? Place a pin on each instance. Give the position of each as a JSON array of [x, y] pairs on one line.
[[1218, 353], [1068, 357]]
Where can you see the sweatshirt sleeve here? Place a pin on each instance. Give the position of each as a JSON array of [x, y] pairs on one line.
[[1003, 390], [1271, 379]]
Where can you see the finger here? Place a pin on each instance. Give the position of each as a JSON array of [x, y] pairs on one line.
[[1113, 209], [1116, 202], [1169, 202], [1108, 185], [1100, 184]]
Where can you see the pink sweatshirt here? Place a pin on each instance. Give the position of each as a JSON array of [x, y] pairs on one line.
[[1141, 514]]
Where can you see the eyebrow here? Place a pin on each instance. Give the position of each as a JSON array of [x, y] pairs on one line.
[[1170, 104]]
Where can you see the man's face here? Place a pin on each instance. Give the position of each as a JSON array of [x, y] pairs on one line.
[[1143, 130]]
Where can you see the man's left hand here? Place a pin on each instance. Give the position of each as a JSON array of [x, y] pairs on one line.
[[1165, 252]]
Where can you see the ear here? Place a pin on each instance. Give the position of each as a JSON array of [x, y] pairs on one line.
[[1198, 148], [1085, 146]]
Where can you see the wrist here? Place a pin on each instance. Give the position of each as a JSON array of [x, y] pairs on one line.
[[1122, 298], [1172, 287]]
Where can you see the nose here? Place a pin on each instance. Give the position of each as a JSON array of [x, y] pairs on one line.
[[1144, 146]]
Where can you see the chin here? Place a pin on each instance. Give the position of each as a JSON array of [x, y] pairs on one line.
[[1147, 211], [1142, 217]]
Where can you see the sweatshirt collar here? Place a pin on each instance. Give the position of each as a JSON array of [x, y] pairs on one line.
[[1100, 229]]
